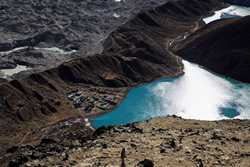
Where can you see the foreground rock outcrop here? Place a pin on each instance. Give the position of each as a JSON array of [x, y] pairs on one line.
[[222, 47], [166, 141], [36, 106]]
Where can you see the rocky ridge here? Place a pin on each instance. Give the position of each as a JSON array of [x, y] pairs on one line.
[[166, 141]]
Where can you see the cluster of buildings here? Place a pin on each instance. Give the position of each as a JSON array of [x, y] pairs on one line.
[[91, 100]]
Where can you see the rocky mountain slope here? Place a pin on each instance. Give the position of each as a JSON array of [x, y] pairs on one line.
[[29, 26], [160, 142], [238, 2], [221, 47], [36, 106]]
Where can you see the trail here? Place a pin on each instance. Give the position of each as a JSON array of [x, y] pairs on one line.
[[21, 142]]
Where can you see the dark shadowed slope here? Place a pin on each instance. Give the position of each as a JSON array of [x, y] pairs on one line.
[[222, 47], [238, 2]]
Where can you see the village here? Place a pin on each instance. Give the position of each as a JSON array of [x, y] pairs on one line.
[[87, 99]]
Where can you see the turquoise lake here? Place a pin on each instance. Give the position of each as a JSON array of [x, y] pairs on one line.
[[198, 94]]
